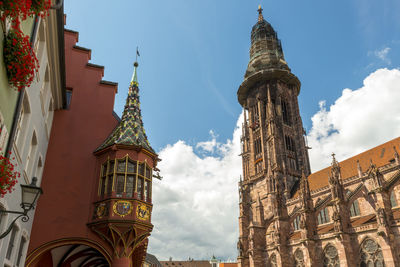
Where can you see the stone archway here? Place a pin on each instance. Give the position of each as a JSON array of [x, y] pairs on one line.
[[69, 253]]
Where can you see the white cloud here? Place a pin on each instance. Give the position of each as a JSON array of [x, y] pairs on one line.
[[382, 55], [196, 204], [358, 120]]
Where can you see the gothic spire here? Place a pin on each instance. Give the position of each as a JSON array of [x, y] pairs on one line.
[[260, 15], [130, 130]]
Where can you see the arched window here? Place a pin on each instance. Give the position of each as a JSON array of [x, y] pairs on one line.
[[296, 223], [286, 113], [355, 209], [272, 261], [371, 254], [298, 258], [323, 216], [331, 257], [393, 199]]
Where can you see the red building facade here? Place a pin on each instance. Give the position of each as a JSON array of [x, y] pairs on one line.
[[96, 210]]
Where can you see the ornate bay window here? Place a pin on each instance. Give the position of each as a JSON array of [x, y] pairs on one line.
[[125, 177]]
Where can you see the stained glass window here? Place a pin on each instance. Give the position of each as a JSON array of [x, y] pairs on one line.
[[121, 175], [331, 256], [298, 258], [121, 165], [141, 169], [130, 183], [140, 188], [120, 185], [131, 166], [371, 254]]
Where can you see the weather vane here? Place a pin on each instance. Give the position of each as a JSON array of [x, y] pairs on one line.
[[137, 53]]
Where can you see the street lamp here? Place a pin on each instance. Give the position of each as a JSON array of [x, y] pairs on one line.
[[30, 194]]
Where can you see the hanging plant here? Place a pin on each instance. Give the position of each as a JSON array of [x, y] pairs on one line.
[[14, 9], [8, 176], [21, 9], [20, 61], [40, 7]]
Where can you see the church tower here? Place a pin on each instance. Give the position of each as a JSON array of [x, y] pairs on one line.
[[274, 152]]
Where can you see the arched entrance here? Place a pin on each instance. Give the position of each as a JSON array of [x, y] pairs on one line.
[[69, 253]]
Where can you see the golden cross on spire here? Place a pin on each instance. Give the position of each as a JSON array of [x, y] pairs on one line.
[[260, 15]]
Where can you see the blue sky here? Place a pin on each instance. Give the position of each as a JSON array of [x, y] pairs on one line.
[[194, 54], [193, 58]]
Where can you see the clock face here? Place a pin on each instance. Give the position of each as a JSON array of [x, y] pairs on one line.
[[143, 212]]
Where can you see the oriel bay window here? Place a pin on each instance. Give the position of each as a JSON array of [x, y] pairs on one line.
[[125, 176]]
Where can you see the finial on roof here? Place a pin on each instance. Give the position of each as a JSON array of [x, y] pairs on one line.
[[260, 15], [134, 80]]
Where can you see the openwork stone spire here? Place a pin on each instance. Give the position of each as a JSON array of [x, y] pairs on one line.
[[130, 130]]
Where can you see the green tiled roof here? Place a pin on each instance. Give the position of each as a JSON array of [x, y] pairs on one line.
[[130, 130]]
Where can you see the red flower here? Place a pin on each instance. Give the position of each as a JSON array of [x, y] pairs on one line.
[[21, 61], [8, 177]]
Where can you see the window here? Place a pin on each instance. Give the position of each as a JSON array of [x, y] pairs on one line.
[[371, 254], [323, 216], [354, 209], [31, 155], [298, 258], [272, 261], [289, 143], [11, 242], [296, 223], [254, 115], [285, 113], [124, 176], [331, 257], [258, 165], [292, 163], [21, 250], [393, 199], [257, 147]]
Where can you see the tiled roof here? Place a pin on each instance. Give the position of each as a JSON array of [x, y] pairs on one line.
[[130, 130], [191, 263], [380, 156], [151, 259], [228, 264]]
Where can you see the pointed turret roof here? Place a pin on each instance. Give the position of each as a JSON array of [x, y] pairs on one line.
[[130, 130]]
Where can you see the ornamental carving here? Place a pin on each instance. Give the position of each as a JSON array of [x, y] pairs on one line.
[[100, 210], [143, 212], [122, 208]]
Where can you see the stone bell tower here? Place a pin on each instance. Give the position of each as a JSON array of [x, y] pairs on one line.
[[274, 152]]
